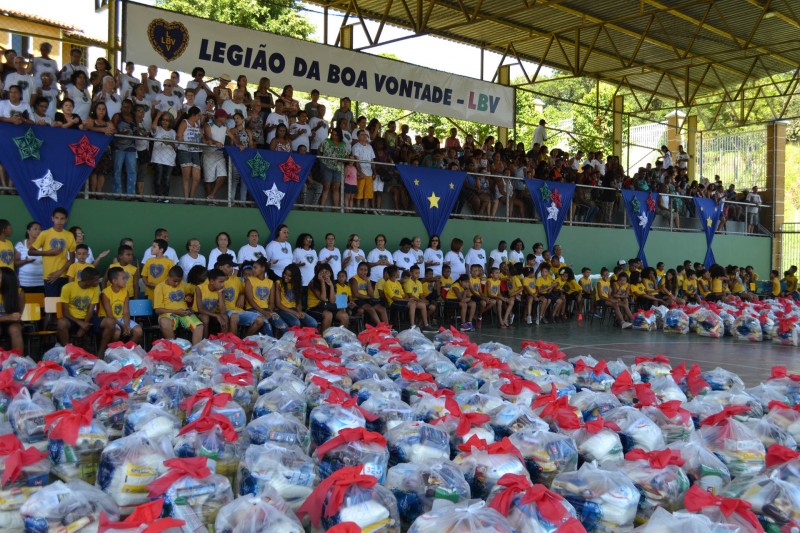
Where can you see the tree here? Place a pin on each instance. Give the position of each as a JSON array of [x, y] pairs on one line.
[[276, 16]]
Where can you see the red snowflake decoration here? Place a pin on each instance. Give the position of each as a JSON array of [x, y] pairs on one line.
[[651, 203], [85, 152], [555, 197], [291, 170]]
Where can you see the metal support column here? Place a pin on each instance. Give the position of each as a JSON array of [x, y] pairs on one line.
[[619, 108], [503, 78], [691, 144]]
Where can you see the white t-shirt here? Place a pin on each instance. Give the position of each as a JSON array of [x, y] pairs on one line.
[[9, 110], [753, 198], [200, 95], [126, 85], [168, 104], [667, 160], [25, 83], [147, 103], [456, 263], [303, 138], [516, 257], [420, 255], [113, 103], [169, 254], [273, 119], [320, 135], [348, 141], [69, 69], [404, 261], [683, 160], [335, 260], [374, 256], [179, 91], [154, 86], [163, 153], [231, 107], [187, 262], [434, 256], [476, 257], [355, 259], [40, 65], [250, 253], [280, 252], [82, 99], [498, 257], [30, 275], [307, 260], [214, 255], [51, 95], [366, 154]]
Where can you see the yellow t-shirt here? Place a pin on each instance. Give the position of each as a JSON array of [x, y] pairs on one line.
[[703, 286], [650, 287], [74, 270], [570, 286], [660, 273], [208, 299], [603, 288], [362, 285], [516, 286], [529, 284], [169, 297], [545, 285], [344, 289], [475, 286], [116, 301], [413, 288], [716, 285], [791, 283], [623, 290], [379, 286], [446, 283], [231, 290], [681, 279], [262, 288], [51, 239], [737, 285], [130, 275], [286, 296], [79, 299], [155, 271], [428, 288], [313, 301], [392, 290], [776, 287], [493, 287], [689, 287], [586, 284], [454, 292], [7, 254], [638, 289]]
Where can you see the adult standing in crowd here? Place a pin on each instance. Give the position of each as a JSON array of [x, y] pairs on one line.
[[279, 251]]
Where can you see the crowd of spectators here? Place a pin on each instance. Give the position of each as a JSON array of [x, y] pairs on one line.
[[190, 123]]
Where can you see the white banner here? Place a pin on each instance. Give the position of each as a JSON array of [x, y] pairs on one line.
[[181, 42]]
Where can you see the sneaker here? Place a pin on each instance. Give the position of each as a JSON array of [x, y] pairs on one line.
[[528, 320], [626, 325], [466, 326], [538, 320], [428, 327], [511, 318]]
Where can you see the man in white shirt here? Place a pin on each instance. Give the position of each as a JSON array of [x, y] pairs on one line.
[[273, 120], [45, 63], [476, 255], [752, 210], [575, 162], [201, 89], [319, 129], [598, 164], [168, 102], [74, 65], [236, 103], [683, 158], [21, 79], [557, 252], [127, 81], [252, 251], [540, 133], [162, 233], [49, 92], [153, 85], [499, 255]]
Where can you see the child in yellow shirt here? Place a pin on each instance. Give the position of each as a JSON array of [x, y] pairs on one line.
[[171, 303], [476, 289], [414, 292], [81, 256], [529, 290], [78, 300], [114, 316], [459, 297], [156, 269], [495, 294], [125, 262], [260, 297], [571, 291], [364, 296]]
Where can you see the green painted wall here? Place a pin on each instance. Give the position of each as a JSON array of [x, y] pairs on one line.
[[105, 222]]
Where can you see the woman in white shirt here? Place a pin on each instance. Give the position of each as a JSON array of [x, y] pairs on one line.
[[455, 259], [251, 251], [79, 94], [434, 257], [223, 241], [330, 254], [305, 257], [517, 252], [279, 251], [379, 258], [192, 257], [353, 255], [30, 275], [416, 249], [110, 96]]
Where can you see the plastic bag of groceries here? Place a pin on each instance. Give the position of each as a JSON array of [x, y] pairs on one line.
[[125, 354], [72, 506], [593, 404], [285, 469], [783, 463], [676, 321], [605, 500], [172, 392], [151, 421], [636, 429], [709, 324], [532, 508], [663, 521], [69, 389], [787, 331], [278, 429], [9, 387], [776, 501], [135, 381], [240, 385], [26, 416], [339, 336], [464, 426], [747, 328], [329, 418], [417, 486], [110, 405], [597, 377], [510, 418], [384, 387], [75, 360], [733, 442], [282, 400], [785, 417], [770, 433], [211, 436], [645, 320], [471, 516], [727, 321], [659, 478], [23, 472], [768, 327], [253, 513], [545, 454], [349, 495], [417, 442], [412, 339], [598, 440], [128, 465], [390, 413], [145, 517], [205, 402], [43, 377], [484, 464], [164, 360], [733, 514], [675, 422], [650, 368], [75, 442], [191, 492], [287, 380], [351, 447]]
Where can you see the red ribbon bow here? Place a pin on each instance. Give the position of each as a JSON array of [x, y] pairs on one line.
[[655, 359], [697, 499], [243, 379], [241, 362], [345, 527], [105, 396], [623, 383], [404, 358], [504, 446], [416, 376], [315, 354], [516, 385], [74, 352], [374, 333], [777, 455], [225, 337], [167, 356], [549, 504], [333, 488], [643, 391], [6, 354], [597, 425], [35, 374], [8, 385], [598, 369], [196, 467], [657, 459], [16, 457], [786, 323], [695, 381], [492, 363], [207, 422], [217, 400], [350, 435], [467, 420], [513, 484], [673, 409], [331, 368], [66, 423], [121, 378], [724, 415], [130, 345], [339, 397], [546, 399], [167, 346], [146, 514], [775, 404], [779, 372]]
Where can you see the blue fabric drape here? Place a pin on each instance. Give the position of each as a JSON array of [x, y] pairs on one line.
[[641, 206], [552, 200], [434, 193]]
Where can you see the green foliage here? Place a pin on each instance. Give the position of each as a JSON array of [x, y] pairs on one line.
[[276, 16]]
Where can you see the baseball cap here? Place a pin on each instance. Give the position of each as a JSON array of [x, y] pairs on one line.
[[221, 113], [621, 262]]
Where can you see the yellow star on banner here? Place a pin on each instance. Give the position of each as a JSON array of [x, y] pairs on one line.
[[709, 221], [452, 186], [416, 182], [434, 200]]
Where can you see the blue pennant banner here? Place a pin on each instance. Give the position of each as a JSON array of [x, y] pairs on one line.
[[434, 193], [709, 213], [641, 206], [552, 200], [274, 180], [49, 166]]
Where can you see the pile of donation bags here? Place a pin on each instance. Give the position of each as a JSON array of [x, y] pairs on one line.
[[389, 432]]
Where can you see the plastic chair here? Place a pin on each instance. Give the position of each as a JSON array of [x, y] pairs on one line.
[[31, 322], [142, 312]]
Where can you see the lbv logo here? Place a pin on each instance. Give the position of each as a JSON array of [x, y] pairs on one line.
[[169, 39], [483, 102]]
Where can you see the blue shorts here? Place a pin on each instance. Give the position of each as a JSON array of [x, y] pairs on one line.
[[246, 318], [350, 189], [96, 321]]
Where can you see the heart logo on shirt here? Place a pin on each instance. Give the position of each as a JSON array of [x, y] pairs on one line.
[[81, 302], [169, 39], [7, 257], [156, 270], [228, 293], [58, 244], [209, 304], [176, 296], [262, 293], [309, 259]]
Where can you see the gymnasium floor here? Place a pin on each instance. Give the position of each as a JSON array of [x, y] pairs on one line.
[[752, 361]]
